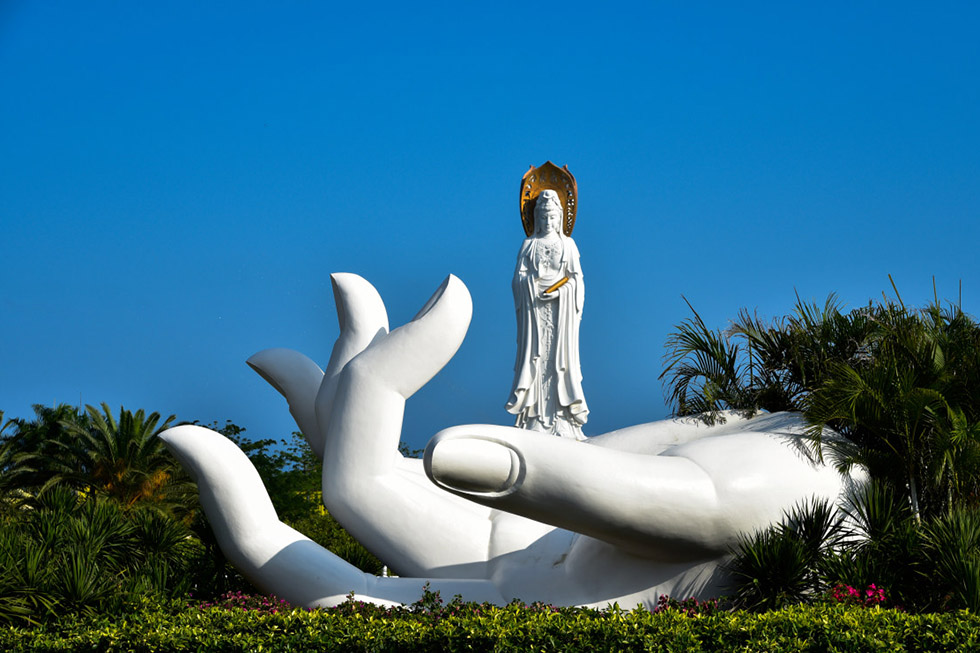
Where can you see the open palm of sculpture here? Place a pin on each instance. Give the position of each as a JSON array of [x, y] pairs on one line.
[[492, 512]]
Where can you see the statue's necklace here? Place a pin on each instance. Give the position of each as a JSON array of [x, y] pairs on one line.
[[549, 254]]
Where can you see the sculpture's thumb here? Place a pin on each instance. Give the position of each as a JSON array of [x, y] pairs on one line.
[[298, 379]]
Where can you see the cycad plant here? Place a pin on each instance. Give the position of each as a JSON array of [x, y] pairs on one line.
[[96, 452], [952, 548], [64, 552], [123, 458], [8, 487], [781, 565], [881, 544], [872, 539]]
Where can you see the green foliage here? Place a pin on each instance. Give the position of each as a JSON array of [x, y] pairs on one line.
[[289, 470], [758, 365], [898, 383], [61, 552], [95, 452], [952, 550], [94, 511], [875, 540], [32, 450], [122, 458], [910, 409], [516, 627], [781, 566], [882, 545], [323, 529]]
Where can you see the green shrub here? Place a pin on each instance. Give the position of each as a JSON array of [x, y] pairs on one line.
[[62, 553], [511, 628], [921, 566]]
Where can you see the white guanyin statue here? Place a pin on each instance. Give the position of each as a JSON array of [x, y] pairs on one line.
[[549, 294]]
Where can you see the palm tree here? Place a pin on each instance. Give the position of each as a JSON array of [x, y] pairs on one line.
[[7, 487], [759, 365], [96, 452], [707, 370], [899, 384], [31, 449], [123, 458], [909, 408]]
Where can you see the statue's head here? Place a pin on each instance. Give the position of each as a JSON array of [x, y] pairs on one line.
[[547, 213]]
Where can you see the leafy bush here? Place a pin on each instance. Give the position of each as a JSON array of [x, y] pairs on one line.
[[94, 511], [63, 553], [96, 453], [515, 627], [951, 546], [783, 565], [875, 542], [689, 606]]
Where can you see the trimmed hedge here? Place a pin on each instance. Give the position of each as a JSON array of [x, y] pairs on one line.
[[511, 628]]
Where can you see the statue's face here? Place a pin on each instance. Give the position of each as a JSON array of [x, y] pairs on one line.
[[547, 213]]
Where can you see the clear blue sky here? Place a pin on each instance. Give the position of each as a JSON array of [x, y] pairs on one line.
[[178, 179]]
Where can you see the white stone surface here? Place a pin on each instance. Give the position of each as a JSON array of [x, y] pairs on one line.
[[505, 513], [547, 392]]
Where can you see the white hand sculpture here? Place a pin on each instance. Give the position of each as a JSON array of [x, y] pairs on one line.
[[504, 513]]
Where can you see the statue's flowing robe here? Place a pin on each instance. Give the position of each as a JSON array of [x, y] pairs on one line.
[[528, 398]]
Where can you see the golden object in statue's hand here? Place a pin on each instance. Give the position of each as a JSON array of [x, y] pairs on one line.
[[555, 286]]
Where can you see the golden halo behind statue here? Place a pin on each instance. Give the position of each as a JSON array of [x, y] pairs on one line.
[[544, 177]]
